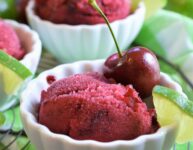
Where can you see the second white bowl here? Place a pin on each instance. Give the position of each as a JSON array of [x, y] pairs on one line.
[[69, 43]]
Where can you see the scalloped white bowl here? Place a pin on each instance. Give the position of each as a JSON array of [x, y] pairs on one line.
[[32, 45], [44, 139], [70, 43]]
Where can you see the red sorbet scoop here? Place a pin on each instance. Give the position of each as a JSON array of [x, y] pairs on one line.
[[80, 12], [9, 41], [88, 106]]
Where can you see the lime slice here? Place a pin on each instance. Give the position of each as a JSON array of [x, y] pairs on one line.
[[172, 107], [151, 6], [12, 73]]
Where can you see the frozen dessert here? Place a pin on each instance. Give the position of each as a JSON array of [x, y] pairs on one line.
[[80, 12], [89, 106], [9, 41]]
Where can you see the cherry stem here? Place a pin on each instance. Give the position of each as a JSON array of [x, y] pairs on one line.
[[97, 8]]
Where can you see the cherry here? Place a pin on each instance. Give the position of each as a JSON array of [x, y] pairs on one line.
[[138, 66]]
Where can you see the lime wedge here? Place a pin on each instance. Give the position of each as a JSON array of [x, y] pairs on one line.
[[172, 107], [151, 6], [12, 73]]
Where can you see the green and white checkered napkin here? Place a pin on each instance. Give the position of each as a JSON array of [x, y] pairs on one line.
[[170, 35]]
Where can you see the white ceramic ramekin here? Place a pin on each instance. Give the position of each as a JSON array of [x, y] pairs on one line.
[[70, 43], [31, 44], [44, 139]]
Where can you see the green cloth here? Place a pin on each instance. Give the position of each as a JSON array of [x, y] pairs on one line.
[[170, 35], [181, 6]]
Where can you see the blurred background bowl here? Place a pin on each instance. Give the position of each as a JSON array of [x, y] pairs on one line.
[[32, 45], [70, 43]]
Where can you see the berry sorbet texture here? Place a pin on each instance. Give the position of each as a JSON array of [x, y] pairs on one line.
[[88, 106], [9, 41], [80, 12]]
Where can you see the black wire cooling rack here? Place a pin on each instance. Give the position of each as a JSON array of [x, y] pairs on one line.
[[48, 62]]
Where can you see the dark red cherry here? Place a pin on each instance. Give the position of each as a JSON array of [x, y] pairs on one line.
[[138, 66]]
